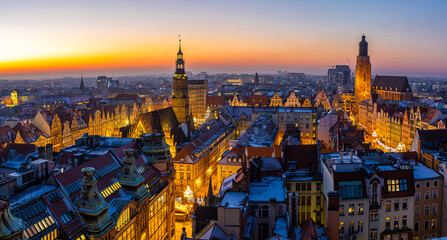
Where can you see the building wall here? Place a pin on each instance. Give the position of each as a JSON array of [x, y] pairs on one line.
[[197, 100], [393, 215], [433, 201], [310, 200], [203, 168], [305, 120], [354, 219], [362, 80]]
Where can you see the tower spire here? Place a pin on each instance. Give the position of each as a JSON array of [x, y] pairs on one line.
[[82, 87], [179, 44]]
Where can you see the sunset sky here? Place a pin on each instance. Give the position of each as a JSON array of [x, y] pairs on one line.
[[65, 38]]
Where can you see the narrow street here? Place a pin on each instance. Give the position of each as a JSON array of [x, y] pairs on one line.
[[178, 228]]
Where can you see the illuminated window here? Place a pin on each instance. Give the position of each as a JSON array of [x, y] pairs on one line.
[[341, 227], [360, 208], [123, 219], [111, 189], [351, 209], [397, 185], [341, 210]]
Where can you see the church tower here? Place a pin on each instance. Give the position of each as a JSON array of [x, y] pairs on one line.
[[180, 100], [82, 87], [362, 75]]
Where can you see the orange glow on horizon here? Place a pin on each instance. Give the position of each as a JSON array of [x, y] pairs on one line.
[[200, 54]]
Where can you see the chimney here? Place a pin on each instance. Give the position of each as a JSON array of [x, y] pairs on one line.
[[41, 152], [129, 178], [11, 227], [78, 159], [333, 215], [49, 151], [92, 206]]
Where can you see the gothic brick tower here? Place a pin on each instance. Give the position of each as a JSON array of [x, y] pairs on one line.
[[180, 100], [362, 75]]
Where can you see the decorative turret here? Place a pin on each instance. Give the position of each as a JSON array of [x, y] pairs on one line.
[[10, 226], [92, 206], [129, 178], [157, 151]]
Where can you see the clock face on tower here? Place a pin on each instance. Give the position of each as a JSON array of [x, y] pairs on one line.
[[178, 93]]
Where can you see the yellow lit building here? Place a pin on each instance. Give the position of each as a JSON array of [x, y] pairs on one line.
[[276, 101], [197, 93], [309, 188], [230, 163], [197, 161], [236, 82]]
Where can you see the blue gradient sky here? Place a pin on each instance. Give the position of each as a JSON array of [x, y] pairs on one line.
[[69, 37]]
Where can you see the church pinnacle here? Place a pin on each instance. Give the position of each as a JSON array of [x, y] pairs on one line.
[[82, 87], [180, 63]]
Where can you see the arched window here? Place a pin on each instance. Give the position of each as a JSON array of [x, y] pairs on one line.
[[123, 219]]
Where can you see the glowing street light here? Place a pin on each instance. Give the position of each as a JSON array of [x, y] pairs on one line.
[[374, 134]]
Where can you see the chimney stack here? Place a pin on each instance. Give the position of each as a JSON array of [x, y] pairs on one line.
[[333, 215], [41, 152]]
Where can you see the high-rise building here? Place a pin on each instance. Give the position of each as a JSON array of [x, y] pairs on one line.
[[197, 91], [362, 75], [180, 100], [341, 74]]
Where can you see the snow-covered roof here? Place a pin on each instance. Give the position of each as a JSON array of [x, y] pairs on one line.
[[386, 168], [227, 183], [280, 227], [232, 199], [422, 172], [270, 187]]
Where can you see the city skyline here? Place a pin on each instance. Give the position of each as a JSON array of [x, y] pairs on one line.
[[65, 39]]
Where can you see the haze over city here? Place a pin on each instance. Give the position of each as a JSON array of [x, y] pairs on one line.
[[54, 38]]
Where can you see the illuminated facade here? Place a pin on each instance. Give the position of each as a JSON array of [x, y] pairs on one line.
[[276, 101], [237, 101], [197, 161], [322, 100], [14, 98], [292, 101], [180, 100], [304, 118], [349, 102], [125, 197], [310, 201], [62, 128], [197, 93], [391, 125], [362, 75]]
